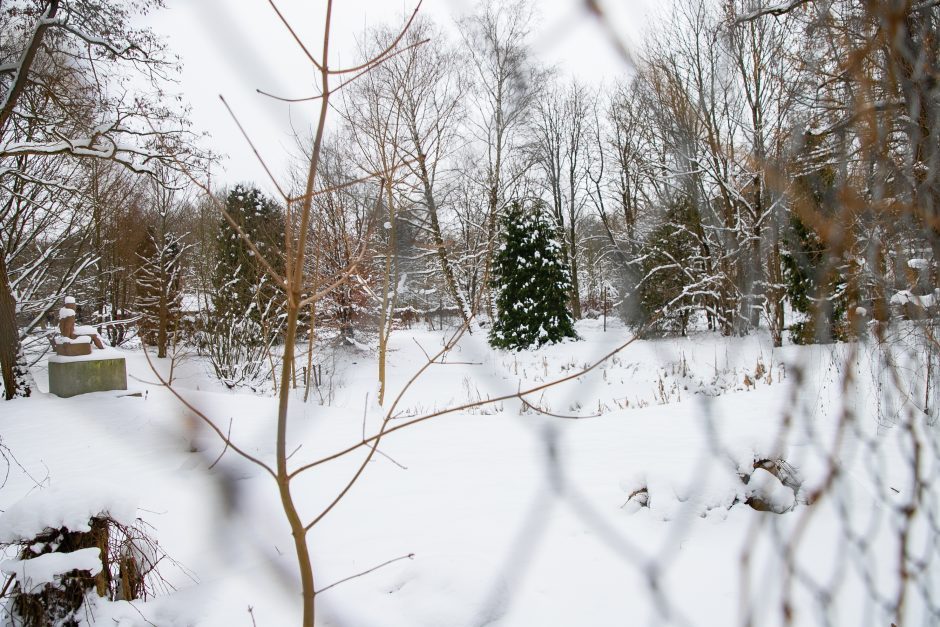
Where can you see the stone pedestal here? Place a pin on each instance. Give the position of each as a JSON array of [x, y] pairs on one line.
[[102, 370]]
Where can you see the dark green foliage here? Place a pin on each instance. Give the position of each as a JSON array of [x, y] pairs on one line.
[[815, 282], [668, 267], [806, 253], [815, 287], [241, 286], [531, 282], [248, 308]]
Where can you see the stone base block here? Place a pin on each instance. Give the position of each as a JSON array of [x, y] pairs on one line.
[[98, 372]]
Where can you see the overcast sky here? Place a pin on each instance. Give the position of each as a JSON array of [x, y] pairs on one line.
[[233, 51]]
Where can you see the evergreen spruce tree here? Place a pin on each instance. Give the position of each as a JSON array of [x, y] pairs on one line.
[[240, 285], [531, 282], [814, 281], [159, 288], [667, 264], [248, 311]]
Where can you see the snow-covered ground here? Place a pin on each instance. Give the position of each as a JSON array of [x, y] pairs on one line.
[[621, 497]]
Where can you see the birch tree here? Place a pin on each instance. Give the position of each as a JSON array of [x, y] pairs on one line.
[[506, 80]]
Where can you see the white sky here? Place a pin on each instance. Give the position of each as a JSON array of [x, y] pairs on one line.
[[233, 47]]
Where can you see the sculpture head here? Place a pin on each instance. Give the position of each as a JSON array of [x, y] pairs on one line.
[[67, 321]]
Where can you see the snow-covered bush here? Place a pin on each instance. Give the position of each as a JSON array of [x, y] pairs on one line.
[[239, 351]]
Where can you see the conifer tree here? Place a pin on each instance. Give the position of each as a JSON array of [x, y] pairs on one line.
[[531, 282], [240, 286], [669, 271], [159, 288], [814, 281], [247, 316]]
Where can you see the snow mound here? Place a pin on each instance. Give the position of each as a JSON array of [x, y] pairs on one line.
[[44, 569], [768, 490], [71, 508]]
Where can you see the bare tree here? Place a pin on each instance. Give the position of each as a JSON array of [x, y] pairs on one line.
[[427, 86], [562, 149], [496, 39], [159, 272]]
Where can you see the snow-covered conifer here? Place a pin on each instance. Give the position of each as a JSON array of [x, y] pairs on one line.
[[531, 282], [240, 284]]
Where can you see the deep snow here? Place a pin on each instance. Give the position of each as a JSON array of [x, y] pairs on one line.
[[504, 516]]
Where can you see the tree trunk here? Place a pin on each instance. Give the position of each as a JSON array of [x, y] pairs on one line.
[[163, 322], [297, 528], [9, 337], [455, 293], [391, 273], [575, 285], [756, 291]]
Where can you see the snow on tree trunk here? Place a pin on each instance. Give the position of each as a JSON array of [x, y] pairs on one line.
[[14, 373]]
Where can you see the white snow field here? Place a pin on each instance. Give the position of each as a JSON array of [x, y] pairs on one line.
[[637, 513]]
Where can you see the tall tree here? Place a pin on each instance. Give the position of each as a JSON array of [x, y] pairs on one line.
[[506, 83], [428, 87], [159, 279], [530, 280], [562, 128]]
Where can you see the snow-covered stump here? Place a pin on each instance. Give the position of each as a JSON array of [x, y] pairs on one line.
[[75, 551], [52, 583], [101, 371]]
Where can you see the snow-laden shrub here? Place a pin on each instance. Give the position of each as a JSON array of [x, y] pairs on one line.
[[239, 351]]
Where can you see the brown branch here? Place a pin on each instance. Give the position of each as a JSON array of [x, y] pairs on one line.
[[6, 586], [206, 419], [288, 100], [297, 39], [228, 437], [410, 556], [379, 58], [254, 149], [345, 82], [382, 173]]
